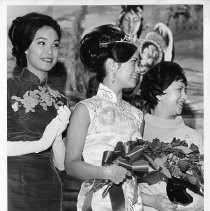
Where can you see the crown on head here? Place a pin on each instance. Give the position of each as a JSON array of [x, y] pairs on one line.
[[126, 39]]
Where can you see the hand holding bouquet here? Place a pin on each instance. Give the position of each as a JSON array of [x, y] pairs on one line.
[[179, 163]]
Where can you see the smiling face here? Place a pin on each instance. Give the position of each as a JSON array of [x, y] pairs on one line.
[[173, 100], [128, 72], [131, 22], [42, 54]]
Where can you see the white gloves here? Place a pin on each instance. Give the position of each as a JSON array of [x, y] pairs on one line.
[[54, 129], [63, 116], [58, 153]]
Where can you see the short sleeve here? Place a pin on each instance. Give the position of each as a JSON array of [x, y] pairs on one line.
[[91, 106]]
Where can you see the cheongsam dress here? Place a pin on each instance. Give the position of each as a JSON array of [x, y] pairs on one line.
[[33, 181], [111, 120]]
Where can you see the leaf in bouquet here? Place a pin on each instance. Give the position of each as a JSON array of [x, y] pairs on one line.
[[194, 157], [164, 145], [201, 163], [179, 153], [176, 172], [160, 161], [119, 147], [186, 150], [155, 144], [152, 162], [194, 148], [177, 142], [140, 142], [168, 150], [166, 172], [183, 165], [198, 172], [201, 158]]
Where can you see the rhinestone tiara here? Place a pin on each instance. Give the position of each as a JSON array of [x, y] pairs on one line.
[[126, 39]]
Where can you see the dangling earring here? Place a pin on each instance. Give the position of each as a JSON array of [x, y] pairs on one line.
[[113, 76], [113, 80], [160, 97]]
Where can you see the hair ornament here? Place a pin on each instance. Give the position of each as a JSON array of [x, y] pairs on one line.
[[126, 39]]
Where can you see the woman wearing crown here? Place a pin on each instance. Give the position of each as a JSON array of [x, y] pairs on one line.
[[100, 122]]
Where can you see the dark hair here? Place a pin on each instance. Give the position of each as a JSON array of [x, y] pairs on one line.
[[128, 8], [159, 78], [22, 32], [104, 42]]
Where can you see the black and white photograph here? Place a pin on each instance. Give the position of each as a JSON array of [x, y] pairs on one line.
[[107, 105]]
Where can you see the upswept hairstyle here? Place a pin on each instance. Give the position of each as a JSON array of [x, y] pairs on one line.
[[159, 78], [103, 42], [22, 32], [128, 8]]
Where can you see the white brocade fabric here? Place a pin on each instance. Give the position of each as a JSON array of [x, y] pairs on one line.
[[111, 120]]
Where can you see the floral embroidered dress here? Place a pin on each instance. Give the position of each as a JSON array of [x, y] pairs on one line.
[[111, 120], [33, 181]]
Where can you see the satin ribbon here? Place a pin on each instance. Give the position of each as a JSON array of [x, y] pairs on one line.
[[131, 156]]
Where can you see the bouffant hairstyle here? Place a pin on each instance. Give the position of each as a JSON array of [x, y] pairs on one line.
[[128, 8], [103, 42], [158, 79], [22, 32]]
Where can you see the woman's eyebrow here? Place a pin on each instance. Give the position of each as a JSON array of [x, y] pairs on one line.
[[43, 38]]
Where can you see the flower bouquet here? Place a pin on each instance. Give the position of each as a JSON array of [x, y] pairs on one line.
[[179, 164], [129, 155]]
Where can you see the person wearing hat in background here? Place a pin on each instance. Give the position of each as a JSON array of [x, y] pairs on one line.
[[37, 116], [98, 123], [130, 21], [157, 45]]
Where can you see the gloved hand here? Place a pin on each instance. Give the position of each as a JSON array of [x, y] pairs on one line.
[[58, 153], [63, 115]]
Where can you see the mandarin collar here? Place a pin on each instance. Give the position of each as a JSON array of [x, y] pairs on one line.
[[31, 77], [164, 123], [108, 94]]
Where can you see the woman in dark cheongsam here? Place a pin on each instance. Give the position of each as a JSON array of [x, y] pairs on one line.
[[36, 117]]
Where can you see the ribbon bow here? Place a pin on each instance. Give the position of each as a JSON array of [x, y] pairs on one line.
[[131, 156]]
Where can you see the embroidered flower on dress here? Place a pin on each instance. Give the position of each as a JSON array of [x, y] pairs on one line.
[[15, 106], [108, 116], [45, 97]]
